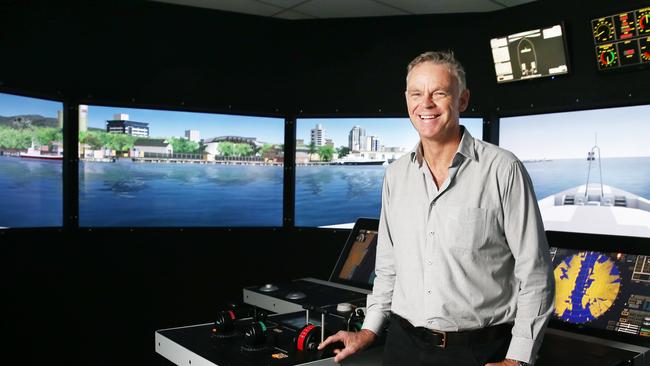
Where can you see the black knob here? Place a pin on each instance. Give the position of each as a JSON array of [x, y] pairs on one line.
[[224, 322], [255, 334]]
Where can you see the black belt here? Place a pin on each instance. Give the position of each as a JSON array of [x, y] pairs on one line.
[[443, 339]]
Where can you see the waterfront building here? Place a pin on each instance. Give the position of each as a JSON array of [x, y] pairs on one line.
[[133, 128], [156, 146], [318, 135], [59, 119], [357, 139], [83, 118], [193, 135]]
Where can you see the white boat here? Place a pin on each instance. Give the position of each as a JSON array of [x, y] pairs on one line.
[[33, 153], [596, 208], [358, 160]]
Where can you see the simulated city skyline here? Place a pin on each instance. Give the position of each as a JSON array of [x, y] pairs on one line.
[[391, 132]]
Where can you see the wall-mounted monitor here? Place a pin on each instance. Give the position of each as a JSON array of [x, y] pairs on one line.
[[31, 161], [340, 164], [530, 54], [591, 175], [622, 39], [152, 168]]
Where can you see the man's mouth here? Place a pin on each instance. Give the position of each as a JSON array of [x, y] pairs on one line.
[[426, 117]]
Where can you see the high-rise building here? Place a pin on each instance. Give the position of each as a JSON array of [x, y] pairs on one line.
[[83, 117], [121, 124], [357, 139], [59, 119], [318, 135], [373, 143], [193, 135]]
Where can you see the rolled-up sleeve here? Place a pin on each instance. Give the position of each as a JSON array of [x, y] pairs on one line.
[[524, 232], [378, 304]]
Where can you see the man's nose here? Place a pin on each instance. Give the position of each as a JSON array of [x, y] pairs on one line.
[[428, 101]]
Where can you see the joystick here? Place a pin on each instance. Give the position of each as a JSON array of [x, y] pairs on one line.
[[344, 307], [296, 295], [269, 287]]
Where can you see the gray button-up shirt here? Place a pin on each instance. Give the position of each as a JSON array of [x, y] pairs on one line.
[[468, 255]]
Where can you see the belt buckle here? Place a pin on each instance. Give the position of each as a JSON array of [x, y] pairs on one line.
[[444, 337]]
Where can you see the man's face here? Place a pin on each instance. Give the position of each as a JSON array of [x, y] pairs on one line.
[[434, 101]]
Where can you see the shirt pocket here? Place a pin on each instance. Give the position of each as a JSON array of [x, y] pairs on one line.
[[465, 227]]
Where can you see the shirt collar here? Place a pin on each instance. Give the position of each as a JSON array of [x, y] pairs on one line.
[[465, 148]]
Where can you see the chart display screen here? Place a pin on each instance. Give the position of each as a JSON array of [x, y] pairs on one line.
[[608, 291], [360, 263]]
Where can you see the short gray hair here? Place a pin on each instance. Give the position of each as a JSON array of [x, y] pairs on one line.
[[445, 58]]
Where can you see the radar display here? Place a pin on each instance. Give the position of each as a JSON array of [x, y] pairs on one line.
[[586, 285], [607, 291]]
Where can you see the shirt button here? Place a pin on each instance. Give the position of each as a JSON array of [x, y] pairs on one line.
[[428, 292], [430, 233], [429, 262]]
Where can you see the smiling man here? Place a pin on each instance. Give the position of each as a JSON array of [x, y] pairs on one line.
[[462, 270]]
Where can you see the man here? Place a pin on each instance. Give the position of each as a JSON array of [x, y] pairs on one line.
[[462, 267]]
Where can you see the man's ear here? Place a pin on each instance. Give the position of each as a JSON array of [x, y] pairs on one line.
[[463, 101]]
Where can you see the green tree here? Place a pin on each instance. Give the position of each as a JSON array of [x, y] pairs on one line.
[[11, 138], [343, 151], [265, 148], [243, 150], [326, 153], [226, 148], [182, 145], [118, 141], [311, 149], [91, 138], [47, 135]]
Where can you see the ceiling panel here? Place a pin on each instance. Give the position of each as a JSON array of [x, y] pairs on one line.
[[283, 3], [510, 3], [347, 8], [307, 9], [239, 6], [292, 15], [445, 6]]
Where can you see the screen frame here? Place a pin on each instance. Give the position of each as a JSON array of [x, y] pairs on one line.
[[362, 223], [599, 243], [182, 109], [565, 46], [67, 145]]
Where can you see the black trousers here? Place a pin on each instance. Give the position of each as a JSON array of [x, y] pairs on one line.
[[406, 349]]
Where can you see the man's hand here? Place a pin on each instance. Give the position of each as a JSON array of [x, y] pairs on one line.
[[352, 341], [506, 362]]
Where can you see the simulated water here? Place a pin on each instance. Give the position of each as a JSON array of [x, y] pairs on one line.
[[142, 194]]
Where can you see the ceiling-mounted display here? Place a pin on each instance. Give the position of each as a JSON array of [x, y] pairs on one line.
[[530, 54], [622, 39]]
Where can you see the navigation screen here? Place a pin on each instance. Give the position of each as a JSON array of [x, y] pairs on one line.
[[359, 266], [531, 54], [608, 291]]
